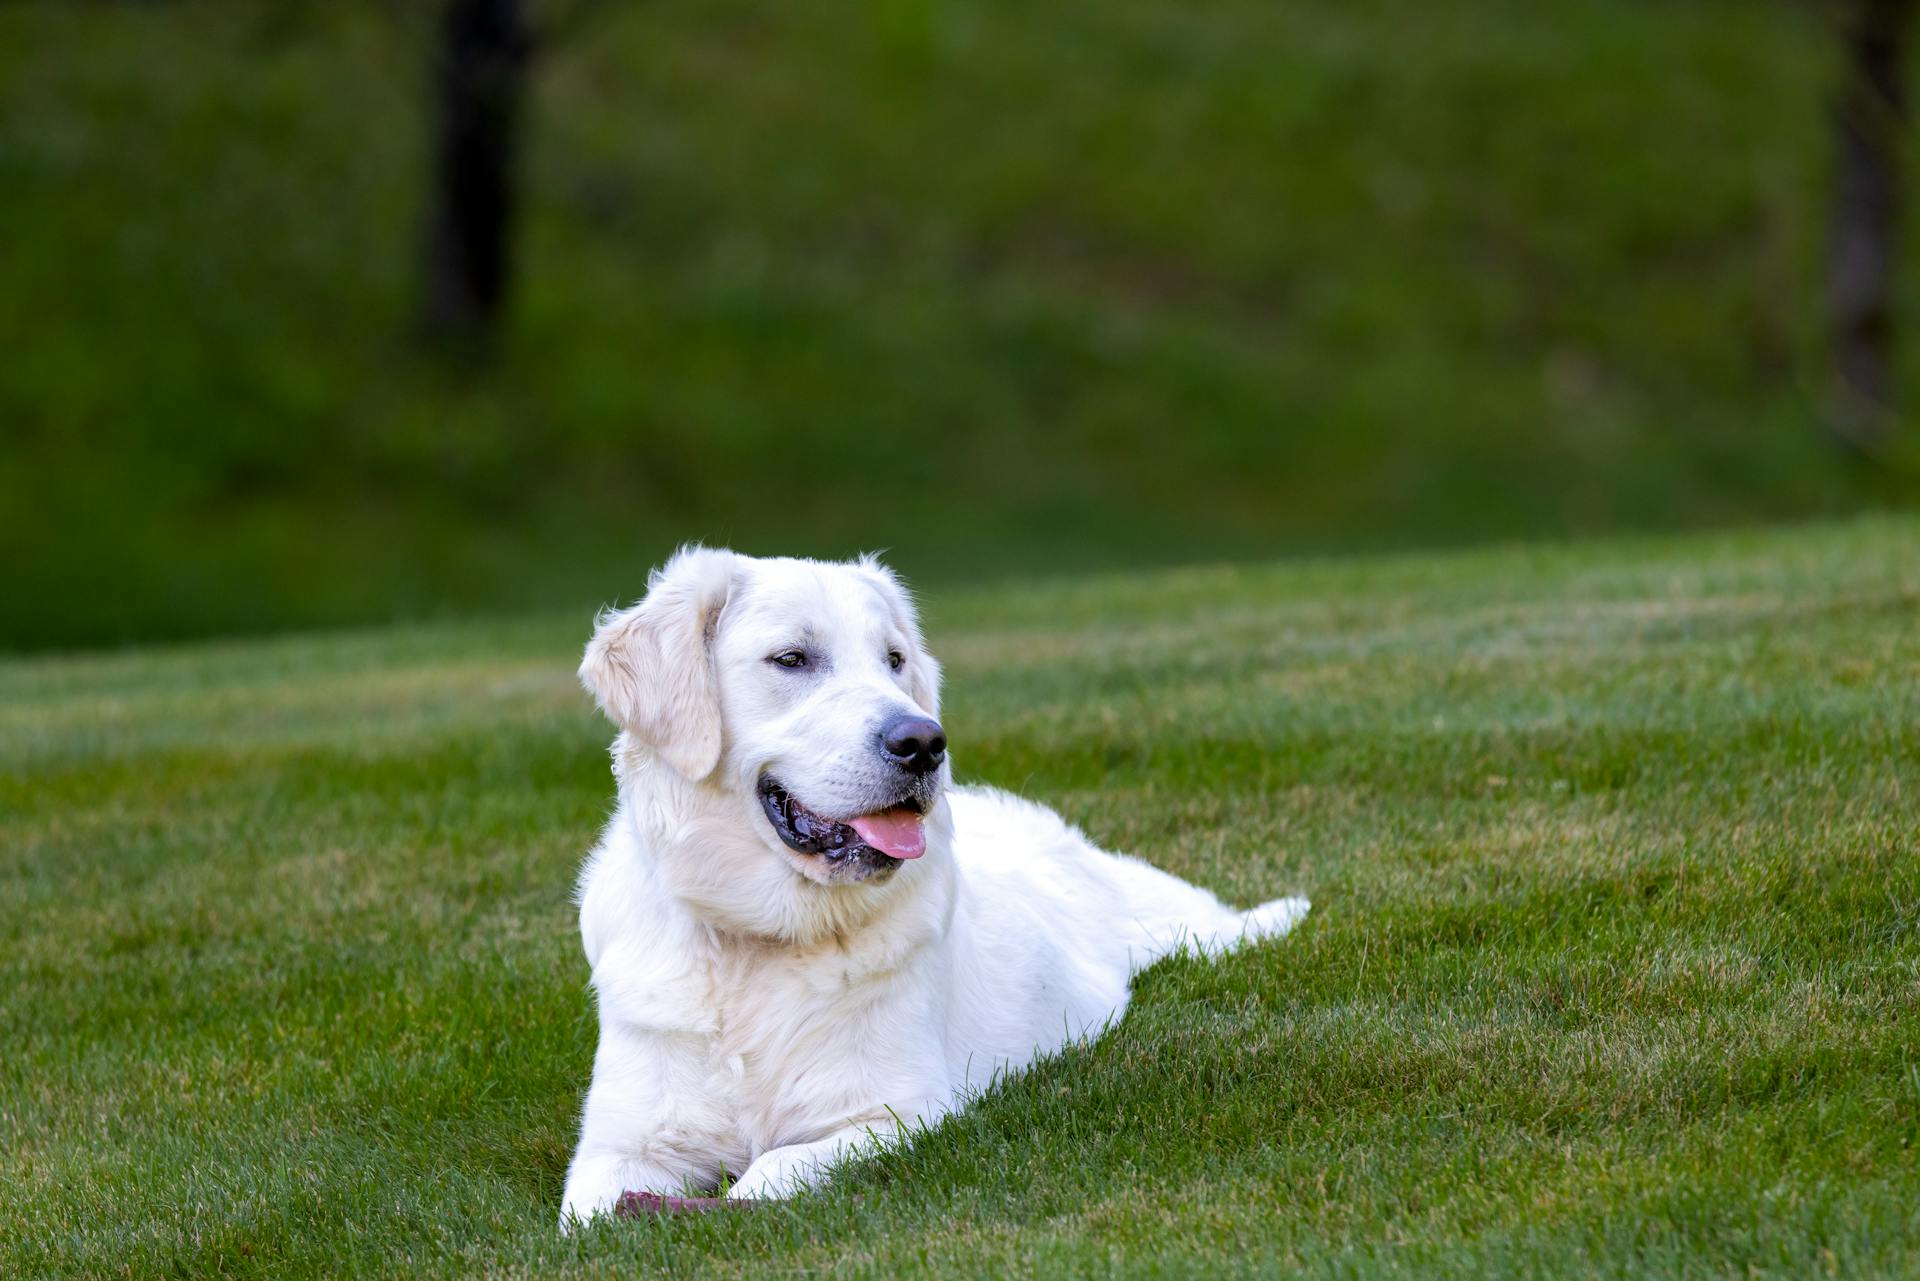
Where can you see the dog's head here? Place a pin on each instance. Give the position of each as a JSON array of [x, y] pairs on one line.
[[779, 714]]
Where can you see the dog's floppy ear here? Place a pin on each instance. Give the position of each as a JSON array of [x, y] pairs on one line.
[[923, 673], [650, 667]]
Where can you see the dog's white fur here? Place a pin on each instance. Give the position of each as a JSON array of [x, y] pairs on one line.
[[759, 1018]]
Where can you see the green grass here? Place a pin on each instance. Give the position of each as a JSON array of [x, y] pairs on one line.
[[994, 283], [1612, 968]]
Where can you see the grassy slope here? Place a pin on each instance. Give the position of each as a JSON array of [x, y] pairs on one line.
[[989, 282], [1612, 965]]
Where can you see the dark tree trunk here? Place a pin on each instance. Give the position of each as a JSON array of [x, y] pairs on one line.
[[479, 84], [1871, 118]]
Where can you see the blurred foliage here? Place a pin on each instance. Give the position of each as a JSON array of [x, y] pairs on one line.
[[1002, 285]]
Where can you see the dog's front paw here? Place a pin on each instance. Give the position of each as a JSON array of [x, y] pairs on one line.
[[576, 1212], [594, 1187], [767, 1179], [788, 1171]]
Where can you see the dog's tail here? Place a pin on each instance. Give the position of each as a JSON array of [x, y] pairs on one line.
[[1271, 920]]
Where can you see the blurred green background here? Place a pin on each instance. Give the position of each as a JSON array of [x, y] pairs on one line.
[[1004, 286]]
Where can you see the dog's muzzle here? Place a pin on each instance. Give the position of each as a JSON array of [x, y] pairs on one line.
[[857, 848]]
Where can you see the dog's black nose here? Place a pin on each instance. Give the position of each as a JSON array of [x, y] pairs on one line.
[[917, 744]]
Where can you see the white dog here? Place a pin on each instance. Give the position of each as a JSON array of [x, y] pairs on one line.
[[804, 939]]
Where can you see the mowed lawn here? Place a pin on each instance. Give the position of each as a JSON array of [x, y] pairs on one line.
[[1614, 965]]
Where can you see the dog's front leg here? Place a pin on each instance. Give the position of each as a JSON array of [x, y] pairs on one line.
[[648, 1126], [785, 1171]]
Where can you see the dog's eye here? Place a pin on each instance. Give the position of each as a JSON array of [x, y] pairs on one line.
[[896, 660], [790, 659]]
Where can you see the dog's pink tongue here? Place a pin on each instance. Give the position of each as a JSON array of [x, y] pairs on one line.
[[896, 831]]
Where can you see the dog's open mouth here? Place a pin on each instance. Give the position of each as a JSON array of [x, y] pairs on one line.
[[886, 837]]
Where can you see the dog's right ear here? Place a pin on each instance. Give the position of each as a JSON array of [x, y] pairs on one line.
[[650, 667]]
